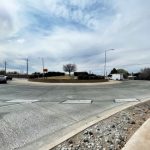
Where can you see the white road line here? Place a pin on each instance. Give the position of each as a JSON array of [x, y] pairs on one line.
[[77, 102], [22, 101], [126, 100]]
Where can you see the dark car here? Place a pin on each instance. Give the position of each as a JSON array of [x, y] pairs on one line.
[[8, 77], [3, 79]]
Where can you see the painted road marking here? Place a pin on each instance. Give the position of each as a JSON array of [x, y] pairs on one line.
[[126, 100], [22, 101], [77, 101]]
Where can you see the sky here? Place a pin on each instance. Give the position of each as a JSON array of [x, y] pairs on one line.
[[74, 31]]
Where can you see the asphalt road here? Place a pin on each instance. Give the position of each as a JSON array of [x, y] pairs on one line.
[[23, 122]]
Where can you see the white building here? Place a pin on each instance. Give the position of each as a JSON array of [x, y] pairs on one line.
[[117, 76], [131, 77]]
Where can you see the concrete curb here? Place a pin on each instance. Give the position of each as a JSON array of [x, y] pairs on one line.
[[140, 139], [23, 81], [80, 126], [49, 142]]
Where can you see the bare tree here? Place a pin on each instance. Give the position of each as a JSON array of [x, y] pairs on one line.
[[145, 74], [69, 68]]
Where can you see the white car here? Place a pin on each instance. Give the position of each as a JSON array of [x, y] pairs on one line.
[[3, 79]]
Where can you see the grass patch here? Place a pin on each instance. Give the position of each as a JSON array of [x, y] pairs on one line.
[[67, 80], [66, 77]]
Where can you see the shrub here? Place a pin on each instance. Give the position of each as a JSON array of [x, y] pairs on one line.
[[80, 73]]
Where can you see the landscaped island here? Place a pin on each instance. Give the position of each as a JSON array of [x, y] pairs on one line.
[[67, 79]]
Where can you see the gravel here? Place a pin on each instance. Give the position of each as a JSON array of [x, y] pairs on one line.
[[111, 133]]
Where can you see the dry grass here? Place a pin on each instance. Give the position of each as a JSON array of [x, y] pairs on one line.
[[66, 80], [66, 77]]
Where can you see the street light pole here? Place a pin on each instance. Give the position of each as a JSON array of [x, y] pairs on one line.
[[5, 67], [106, 61], [105, 65], [27, 66], [43, 66]]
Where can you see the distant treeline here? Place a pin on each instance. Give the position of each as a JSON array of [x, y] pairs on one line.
[[87, 76], [143, 75], [79, 75], [48, 74]]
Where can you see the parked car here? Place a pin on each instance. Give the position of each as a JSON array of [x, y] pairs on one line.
[[3, 79], [8, 77]]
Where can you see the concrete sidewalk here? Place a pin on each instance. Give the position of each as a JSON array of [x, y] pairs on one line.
[[141, 138]]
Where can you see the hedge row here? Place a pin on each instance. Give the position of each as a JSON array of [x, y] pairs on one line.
[[90, 77], [67, 81], [80, 74], [48, 74]]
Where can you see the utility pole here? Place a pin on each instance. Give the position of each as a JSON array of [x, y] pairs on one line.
[[43, 65], [27, 61], [105, 64], [5, 67], [105, 71]]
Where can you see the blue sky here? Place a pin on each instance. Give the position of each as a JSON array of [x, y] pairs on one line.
[[74, 31]]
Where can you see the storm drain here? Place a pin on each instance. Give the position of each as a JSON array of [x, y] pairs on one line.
[[77, 102], [22, 101], [126, 100]]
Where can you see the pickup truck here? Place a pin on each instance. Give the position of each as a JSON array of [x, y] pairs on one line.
[[3, 79]]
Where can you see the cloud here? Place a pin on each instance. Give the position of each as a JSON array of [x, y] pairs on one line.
[[77, 31]]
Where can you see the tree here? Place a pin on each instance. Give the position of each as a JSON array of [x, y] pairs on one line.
[[114, 71], [120, 71], [124, 72], [69, 68], [145, 74], [2, 72], [13, 72]]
